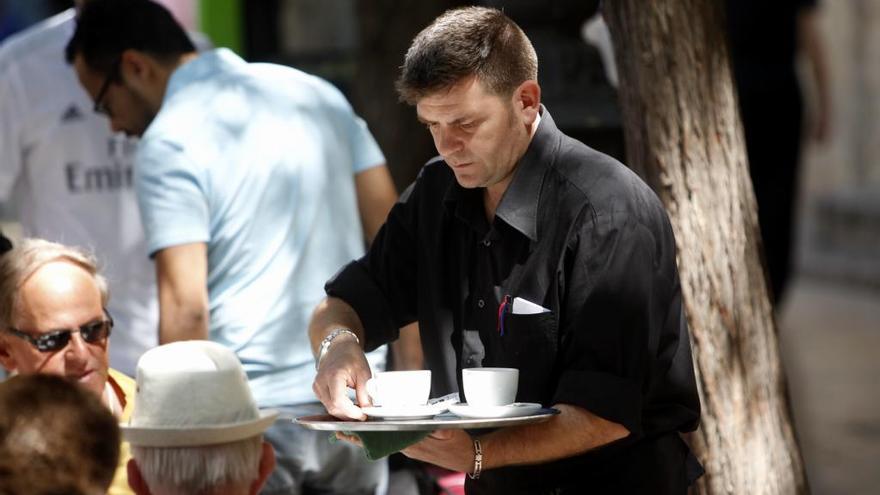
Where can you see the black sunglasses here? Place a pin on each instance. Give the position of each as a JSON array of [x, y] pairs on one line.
[[92, 333], [100, 107]]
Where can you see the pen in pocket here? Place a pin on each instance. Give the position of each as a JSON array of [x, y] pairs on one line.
[[503, 309]]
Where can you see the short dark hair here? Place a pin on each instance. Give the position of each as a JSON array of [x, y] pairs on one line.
[[465, 42], [55, 437], [106, 28]]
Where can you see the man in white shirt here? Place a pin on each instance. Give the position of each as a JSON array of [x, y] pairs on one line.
[[233, 171], [71, 178]]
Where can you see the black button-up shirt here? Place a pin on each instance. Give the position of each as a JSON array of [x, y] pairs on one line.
[[581, 235]]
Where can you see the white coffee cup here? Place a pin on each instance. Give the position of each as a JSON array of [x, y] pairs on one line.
[[400, 388], [490, 386]]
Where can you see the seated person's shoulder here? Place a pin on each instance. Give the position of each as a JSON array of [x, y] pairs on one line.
[[40, 40], [124, 387]]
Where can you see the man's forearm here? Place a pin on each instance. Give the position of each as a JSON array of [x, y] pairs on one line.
[[407, 349], [375, 196], [181, 321], [333, 313], [811, 42], [574, 431], [181, 279]]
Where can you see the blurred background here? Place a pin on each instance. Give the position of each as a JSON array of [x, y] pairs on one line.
[[829, 317]]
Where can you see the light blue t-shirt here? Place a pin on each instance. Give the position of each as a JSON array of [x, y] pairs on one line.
[[258, 161]]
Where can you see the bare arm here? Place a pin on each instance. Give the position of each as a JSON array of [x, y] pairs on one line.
[[407, 349], [344, 365], [182, 275], [375, 195], [574, 431], [811, 43]]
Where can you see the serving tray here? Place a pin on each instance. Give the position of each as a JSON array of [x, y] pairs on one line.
[[444, 421]]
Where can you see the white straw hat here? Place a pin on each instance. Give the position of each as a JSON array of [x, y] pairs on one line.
[[193, 393]]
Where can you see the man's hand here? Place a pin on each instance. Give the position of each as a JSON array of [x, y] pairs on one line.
[[344, 366], [451, 449]]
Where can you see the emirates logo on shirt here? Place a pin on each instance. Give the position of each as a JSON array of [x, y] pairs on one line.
[[117, 175], [82, 179]]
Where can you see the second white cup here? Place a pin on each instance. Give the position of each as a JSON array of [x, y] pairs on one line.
[[400, 388], [490, 386]]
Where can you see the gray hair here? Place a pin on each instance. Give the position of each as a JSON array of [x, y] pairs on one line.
[[28, 256], [464, 42], [199, 470]]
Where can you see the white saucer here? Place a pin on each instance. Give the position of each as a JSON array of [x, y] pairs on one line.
[[404, 412], [482, 412]]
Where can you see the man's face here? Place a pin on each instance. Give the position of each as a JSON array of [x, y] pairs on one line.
[[58, 296], [126, 108], [480, 135]]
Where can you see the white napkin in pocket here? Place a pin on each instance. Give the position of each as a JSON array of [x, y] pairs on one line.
[[525, 307]]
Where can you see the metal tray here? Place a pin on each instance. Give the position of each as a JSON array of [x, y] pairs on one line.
[[445, 421]]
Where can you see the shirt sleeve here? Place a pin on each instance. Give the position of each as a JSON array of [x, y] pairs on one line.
[[381, 285], [365, 149], [171, 195], [11, 116], [619, 297]]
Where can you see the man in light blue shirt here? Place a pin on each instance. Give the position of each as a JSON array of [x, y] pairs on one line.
[[256, 182]]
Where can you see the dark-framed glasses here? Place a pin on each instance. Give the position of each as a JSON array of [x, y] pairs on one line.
[[100, 107], [92, 333]]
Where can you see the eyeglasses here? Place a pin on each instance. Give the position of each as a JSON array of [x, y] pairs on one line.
[[92, 333], [100, 107]]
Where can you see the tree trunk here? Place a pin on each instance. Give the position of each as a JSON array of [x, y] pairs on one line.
[[683, 135]]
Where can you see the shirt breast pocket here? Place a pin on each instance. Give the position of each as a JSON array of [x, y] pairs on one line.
[[530, 344]]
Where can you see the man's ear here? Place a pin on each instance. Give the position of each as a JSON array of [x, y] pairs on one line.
[[135, 480], [527, 99], [133, 66], [6, 358], [267, 465]]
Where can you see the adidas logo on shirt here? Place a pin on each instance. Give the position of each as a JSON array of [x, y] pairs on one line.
[[72, 114]]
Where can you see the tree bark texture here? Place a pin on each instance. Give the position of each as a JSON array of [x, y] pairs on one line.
[[684, 137]]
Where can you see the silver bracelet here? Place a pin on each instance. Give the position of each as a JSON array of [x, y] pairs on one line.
[[478, 460], [325, 344]]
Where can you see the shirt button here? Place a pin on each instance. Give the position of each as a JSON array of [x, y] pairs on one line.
[[481, 304], [487, 243]]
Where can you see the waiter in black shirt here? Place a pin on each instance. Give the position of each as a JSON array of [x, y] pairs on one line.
[[512, 208]]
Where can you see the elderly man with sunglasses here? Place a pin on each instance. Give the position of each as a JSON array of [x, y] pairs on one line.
[[54, 320]]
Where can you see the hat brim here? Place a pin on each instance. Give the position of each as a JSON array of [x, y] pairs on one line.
[[195, 436]]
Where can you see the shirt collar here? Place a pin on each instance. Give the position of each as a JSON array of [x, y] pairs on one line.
[[114, 396], [201, 67], [519, 205]]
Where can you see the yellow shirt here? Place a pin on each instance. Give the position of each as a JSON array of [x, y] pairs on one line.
[[124, 388]]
